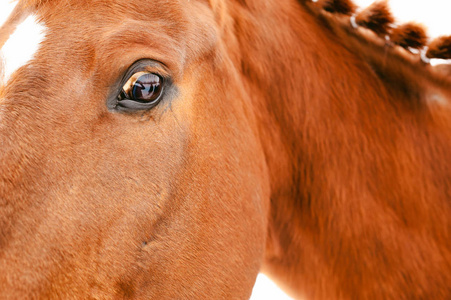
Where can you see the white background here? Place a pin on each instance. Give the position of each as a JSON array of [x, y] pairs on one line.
[[435, 14]]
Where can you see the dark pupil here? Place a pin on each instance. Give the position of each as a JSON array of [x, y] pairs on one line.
[[147, 88]]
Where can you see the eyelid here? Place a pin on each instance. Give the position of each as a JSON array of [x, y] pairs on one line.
[[147, 66]]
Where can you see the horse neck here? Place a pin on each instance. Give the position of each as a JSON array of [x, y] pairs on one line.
[[338, 126], [303, 82]]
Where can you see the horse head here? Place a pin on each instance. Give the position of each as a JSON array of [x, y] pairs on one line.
[[173, 149], [122, 168]]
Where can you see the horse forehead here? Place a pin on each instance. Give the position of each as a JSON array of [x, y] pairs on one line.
[[97, 22], [101, 11], [84, 26], [21, 46]]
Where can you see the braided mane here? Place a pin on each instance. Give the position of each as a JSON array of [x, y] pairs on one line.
[[375, 27]]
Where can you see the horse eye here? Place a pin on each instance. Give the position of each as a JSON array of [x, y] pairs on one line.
[[142, 87]]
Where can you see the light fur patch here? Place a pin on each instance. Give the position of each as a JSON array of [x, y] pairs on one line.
[[437, 99], [21, 46]]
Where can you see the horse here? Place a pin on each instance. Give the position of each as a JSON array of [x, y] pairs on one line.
[[175, 149]]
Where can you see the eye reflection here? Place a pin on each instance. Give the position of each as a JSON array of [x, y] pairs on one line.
[[143, 87]]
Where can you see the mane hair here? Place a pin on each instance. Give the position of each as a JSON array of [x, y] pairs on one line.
[[374, 34], [440, 48], [409, 35], [376, 17], [345, 7]]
